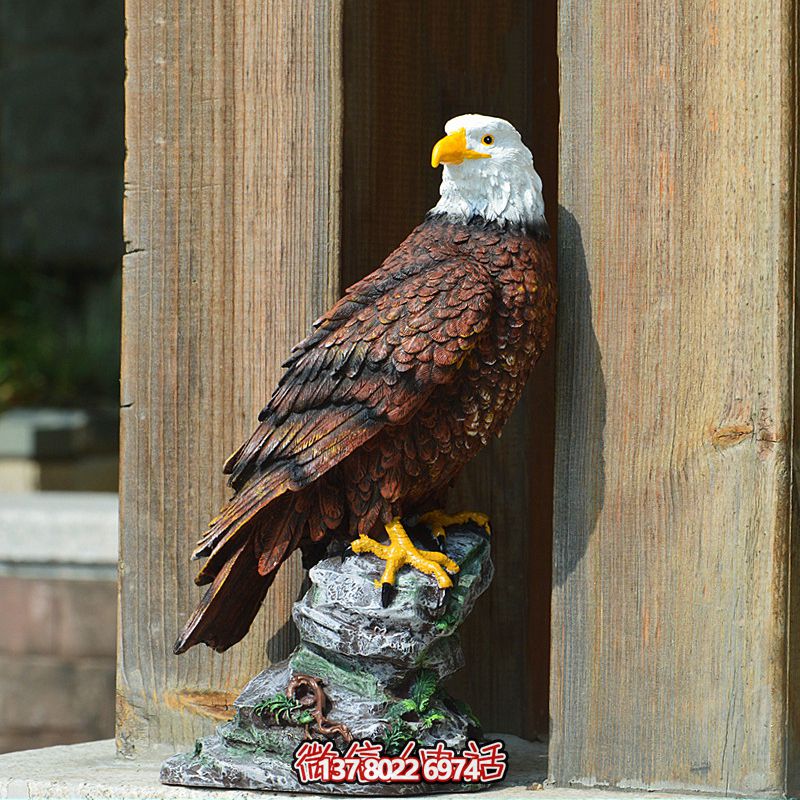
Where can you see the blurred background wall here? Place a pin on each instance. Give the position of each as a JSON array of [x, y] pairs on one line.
[[61, 158]]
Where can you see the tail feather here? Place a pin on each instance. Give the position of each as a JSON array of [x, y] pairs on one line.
[[242, 568], [239, 512], [230, 605], [268, 524]]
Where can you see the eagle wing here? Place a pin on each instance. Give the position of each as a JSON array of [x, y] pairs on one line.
[[371, 361]]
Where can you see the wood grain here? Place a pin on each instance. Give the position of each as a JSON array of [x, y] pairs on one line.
[[232, 222], [674, 395], [409, 66]]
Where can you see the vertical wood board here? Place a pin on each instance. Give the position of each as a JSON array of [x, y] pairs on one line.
[[673, 404], [233, 134]]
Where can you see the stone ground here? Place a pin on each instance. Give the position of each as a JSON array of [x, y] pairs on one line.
[[92, 771]]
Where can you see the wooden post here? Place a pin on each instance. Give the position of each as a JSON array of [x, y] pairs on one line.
[[671, 608], [232, 220]]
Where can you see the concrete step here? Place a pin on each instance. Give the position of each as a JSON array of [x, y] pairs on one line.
[[92, 770]]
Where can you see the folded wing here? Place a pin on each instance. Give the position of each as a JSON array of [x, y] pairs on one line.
[[371, 361]]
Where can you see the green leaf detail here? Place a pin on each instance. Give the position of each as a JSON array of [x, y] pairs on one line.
[[396, 736], [431, 718], [280, 706], [402, 707], [423, 689], [447, 621]]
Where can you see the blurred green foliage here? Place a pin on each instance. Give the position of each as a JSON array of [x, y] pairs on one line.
[[59, 338]]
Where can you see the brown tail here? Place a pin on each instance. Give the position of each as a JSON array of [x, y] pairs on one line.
[[230, 605], [241, 568]]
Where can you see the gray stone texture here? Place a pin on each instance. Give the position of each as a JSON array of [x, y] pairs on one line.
[[92, 771], [54, 529], [369, 659]]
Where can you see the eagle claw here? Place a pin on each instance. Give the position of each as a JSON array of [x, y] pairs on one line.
[[387, 594], [438, 522], [399, 552]]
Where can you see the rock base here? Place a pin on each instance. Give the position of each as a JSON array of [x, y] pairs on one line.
[[361, 672]]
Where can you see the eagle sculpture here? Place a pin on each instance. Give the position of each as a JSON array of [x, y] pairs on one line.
[[396, 388]]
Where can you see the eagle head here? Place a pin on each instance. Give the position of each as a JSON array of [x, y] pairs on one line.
[[488, 173]]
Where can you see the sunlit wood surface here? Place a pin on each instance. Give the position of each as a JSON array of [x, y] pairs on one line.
[[232, 224], [672, 609]]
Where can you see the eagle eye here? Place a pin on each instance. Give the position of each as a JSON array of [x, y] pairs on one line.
[[488, 139]]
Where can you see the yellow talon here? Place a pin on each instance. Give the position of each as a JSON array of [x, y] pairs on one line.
[[437, 521], [400, 551]]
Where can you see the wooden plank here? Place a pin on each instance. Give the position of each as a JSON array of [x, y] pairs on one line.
[[232, 221], [409, 66], [674, 396]]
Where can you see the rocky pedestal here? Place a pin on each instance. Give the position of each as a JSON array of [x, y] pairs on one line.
[[361, 672]]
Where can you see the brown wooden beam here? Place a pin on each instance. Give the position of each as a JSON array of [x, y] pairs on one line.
[[233, 134], [674, 397]]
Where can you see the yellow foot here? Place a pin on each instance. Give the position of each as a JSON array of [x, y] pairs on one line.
[[437, 521], [401, 551]]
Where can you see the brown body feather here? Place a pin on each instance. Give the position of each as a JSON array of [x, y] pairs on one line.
[[399, 385]]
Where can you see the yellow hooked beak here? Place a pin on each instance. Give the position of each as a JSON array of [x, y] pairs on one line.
[[453, 149]]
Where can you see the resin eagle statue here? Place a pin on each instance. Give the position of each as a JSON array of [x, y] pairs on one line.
[[395, 389]]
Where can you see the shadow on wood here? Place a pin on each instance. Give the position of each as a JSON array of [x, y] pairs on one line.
[[409, 66], [582, 388]]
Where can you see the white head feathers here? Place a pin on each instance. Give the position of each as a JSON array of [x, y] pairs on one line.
[[488, 172]]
